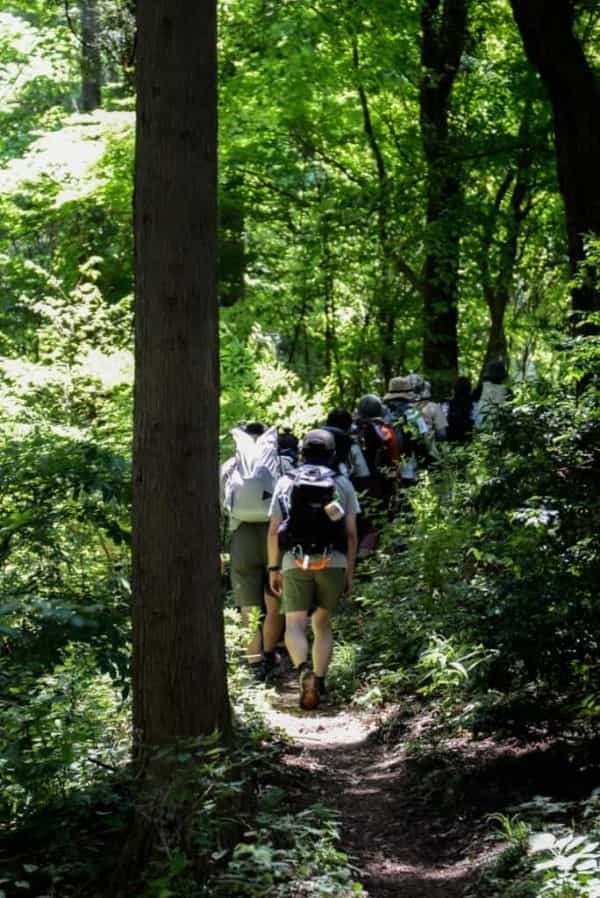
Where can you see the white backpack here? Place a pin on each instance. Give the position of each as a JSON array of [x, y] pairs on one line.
[[249, 488]]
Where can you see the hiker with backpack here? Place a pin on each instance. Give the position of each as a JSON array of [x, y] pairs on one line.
[[247, 485], [348, 454], [288, 446], [492, 394], [312, 545], [459, 410], [380, 449], [408, 424], [433, 414]]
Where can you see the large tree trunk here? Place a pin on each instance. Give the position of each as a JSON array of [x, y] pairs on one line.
[[179, 677], [91, 62], [444, 31], [554, 50]]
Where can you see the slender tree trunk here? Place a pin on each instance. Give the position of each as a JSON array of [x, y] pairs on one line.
[[386, 302], [91, 63], [179, 678], [554, 50], [330, 321], [498, 285], [444, 31]]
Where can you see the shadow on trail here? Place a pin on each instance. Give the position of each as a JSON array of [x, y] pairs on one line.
[[414, 819], [334, 759]]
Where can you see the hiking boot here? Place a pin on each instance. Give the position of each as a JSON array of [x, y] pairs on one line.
[[309, 690], [258, 671], [270, 664]]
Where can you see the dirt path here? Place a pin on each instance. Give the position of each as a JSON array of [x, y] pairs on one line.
[[402, 846], [415, 815]]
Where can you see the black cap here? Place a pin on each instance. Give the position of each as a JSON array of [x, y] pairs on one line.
[[370, 406], [495, 370], [255, 428]]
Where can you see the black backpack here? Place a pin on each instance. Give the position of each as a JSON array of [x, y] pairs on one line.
[[372, 441], [305, 523], [343, 445]]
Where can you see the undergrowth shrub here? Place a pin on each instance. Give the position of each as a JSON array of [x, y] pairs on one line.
[[550, 848]]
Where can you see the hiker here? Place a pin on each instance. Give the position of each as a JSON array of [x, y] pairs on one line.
[[493, 393], [408, 424], [349, 458], [433, 413], [288, 446], [379, 446], [247, 483], [312, 549], [459, 412]]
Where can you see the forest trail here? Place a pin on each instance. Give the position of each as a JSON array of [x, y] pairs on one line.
[[402, 843]]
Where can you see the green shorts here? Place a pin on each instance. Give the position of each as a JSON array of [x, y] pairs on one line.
[[248, 549], [303, 590]]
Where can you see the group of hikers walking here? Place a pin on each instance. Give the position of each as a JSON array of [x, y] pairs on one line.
[[300, 512]]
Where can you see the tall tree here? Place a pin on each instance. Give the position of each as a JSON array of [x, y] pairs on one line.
[[179, 682], [444, 32], [91, 61], [501, 238], [553, 48]]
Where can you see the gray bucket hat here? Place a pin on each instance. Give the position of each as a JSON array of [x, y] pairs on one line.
[[408, 387]]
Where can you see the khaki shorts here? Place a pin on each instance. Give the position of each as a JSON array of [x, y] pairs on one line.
[[303, 590], [248, 549]]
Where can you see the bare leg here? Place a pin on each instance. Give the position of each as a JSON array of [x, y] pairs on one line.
[[295, 636], [272, 624], [323, 641]]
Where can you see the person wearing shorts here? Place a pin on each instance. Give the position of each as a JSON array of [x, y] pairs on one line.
[[305, 589], [250, 582]]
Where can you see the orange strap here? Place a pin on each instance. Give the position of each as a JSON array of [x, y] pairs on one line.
[[315, 566]]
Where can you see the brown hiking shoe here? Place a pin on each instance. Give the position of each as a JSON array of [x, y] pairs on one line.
[[309, 691]]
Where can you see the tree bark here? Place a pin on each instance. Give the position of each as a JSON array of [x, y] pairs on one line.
[[444, 31], [498, 284], [386, 302], [179, 675], [554, 50], [91, 62]]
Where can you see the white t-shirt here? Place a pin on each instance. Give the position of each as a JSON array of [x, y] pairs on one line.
[[345, 494]]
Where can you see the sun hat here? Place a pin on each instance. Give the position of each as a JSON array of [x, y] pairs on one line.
[[400, 388]]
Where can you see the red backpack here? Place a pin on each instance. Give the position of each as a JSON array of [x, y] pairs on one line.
[[379, 445]]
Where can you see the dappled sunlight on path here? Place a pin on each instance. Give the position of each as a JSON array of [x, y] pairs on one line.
[[325, 728], [397, 842]]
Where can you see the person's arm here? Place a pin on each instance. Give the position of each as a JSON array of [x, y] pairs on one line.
[[351, 549], [274, 557], [224, 474]]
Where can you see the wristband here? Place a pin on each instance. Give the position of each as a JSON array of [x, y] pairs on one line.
[[273, 567]]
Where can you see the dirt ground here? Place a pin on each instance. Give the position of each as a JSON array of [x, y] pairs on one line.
[[414, 821]]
